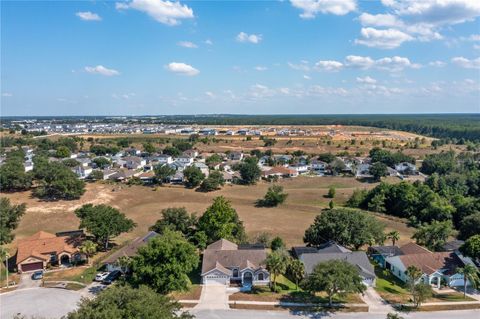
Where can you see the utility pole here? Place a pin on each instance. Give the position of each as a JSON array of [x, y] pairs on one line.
[[6, 267]]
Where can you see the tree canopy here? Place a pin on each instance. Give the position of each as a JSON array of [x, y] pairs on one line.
[[213, 182], [176, 219], [347, 227], [59, 182], [274, 197], [434, 235], [193, 176], [249, 171], [9, 218]]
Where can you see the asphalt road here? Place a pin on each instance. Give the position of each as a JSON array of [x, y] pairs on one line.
[[254, 314], [38, 302]]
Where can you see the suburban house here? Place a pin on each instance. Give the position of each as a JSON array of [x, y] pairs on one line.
[[318, 165], [203, 168], [190, 153], [28, 166], [311, 257], [406, 168], [82, 171], [299, 167], [134, 162], [437, 267], [163, 159], [280, 171], [225, 262], [43, 249], [235, 156], [129, 250], [184, 160]]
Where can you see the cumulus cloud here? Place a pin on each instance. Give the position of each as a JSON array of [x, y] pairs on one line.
[[182, 69], [261, 68], [437, 64], [187, 44], [251, 38], [466, 63], [166, 12], [88, 16], [310, 8], [379, 20], [328, 65], [383, 39], [395, 64], [100, 69], [367, 80]]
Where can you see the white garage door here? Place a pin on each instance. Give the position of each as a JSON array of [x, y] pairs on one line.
[[216, 280], [456, 283]]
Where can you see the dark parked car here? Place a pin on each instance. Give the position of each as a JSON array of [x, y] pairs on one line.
[[114, 275], [37, 275]]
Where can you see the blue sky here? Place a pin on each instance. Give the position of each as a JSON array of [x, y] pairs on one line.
[[142, 57]]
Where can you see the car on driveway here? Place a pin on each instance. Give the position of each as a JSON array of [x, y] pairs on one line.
[[101, 276], [37, 275], [114, 275]]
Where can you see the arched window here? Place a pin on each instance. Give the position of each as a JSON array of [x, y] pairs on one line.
[[235, 272], [260, 276]]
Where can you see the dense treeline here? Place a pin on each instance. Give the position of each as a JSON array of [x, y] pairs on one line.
[[451, 193]]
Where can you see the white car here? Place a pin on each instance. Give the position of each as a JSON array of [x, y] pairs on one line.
[[101, 276]]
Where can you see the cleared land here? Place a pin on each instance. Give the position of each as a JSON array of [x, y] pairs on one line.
[[143, 205]]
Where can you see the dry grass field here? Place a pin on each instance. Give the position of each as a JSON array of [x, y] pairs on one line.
[[143, 205]]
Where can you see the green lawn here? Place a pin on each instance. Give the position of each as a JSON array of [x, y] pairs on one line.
[[390, 287]]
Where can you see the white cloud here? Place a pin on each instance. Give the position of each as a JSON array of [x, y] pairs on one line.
[[182, 68], [383, 39], [7, 94], [124, 96], [437, 64], [88, 16], [435, 12], [210, 94], [311, 8], [302, 66], [166, 12], [306, 77], [360, 62], [252, 38], [328, 65], [100, 69], [187, 44], [208, 41], [395, 64], [466, 63], [379, 20], [261, 68], [367, 80]]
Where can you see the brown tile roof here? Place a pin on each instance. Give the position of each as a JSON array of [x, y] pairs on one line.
[[431, 262], [412, 248], [224, 254], [42, 244]]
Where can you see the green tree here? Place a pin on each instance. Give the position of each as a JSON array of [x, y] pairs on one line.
[[441, 163], [413, 276], [213, 160], [470, 226], [347, 227], [337, 166], [470, 274], [88, 248], [394, 236], [213, 182], [249, 171], [421, 292], [276, 263], [163, 172], [59, 182], [335, 277], [434, 235], [331, 192], [149, 148], [471, 247], [164, 263], [220, 220], [172, 151], [62, 152], [13, 176], [193, 176], [274, 197], [103, 222], [277, 243], [176, 219], [70, 162], [357, 199], [123, 301], [296, 270], [326, 157], [9, 218], [101, 162], [378, 170], [96, 175]]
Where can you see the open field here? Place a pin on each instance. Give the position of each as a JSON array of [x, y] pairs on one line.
[[143, 205]]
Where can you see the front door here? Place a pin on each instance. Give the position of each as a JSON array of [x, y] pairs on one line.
[[247, 279]]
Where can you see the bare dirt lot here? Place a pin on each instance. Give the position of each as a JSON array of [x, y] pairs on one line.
[[143, 205]]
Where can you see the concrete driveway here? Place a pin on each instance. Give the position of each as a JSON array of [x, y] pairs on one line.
[[38, 302], [26, 281], [213, 297]]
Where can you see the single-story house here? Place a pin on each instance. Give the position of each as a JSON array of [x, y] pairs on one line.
[[235, 156], [299, 167], [185, 160], [280, 171], [380, 253], [82, 171], [128, 250], [406, 168], [332, 251], [43, 249], [203, 168], [190, 153], [134, 162], [318, 165], [225, 262], [436, 266]]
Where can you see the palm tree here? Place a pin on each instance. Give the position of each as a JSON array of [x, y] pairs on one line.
[[88, 248], [296, 270], [470, 273], [276, 263], [124, 262], [394, 236]]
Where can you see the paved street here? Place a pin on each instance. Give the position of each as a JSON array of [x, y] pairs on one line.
[[38, 302], [254, 314]]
